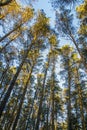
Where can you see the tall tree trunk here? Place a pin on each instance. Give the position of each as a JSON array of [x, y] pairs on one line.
[[76, 109], [10, 88], [53, 127], [13, 112], [30, 112], [77, 82], [3, 48], [15, 28], [4, 72], [52, 94], [76, 45], [47, 125], [2, 80], [41, 99], [21, 102], [69, 96]]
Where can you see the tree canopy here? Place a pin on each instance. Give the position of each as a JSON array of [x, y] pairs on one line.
[[43, 70]]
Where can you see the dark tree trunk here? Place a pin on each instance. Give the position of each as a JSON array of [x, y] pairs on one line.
[[52, 92], [53, 128], [30, 112], [3, 48], [18, 26], [12, 119], [10, 88], [80, 99], [47, 125], [21, 102], [69, 100], [41, 99], [76, 45]]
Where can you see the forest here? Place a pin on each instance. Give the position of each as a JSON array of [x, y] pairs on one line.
[[43, 69]]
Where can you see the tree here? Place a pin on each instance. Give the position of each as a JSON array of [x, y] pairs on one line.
[[77, 83], [43, 82], [42, 33], [67, 29], [42, 94], [24, 92], [66, 54], [82, 15]]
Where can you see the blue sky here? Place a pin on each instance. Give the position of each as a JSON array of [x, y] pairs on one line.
[[46, 6], [48, 9], [42, 4]]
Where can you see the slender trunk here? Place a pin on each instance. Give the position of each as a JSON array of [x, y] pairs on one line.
[[18, 26], [52, 94], [3, 48], [76, 45], [10, 88], [2, 80], [80, 99], [52, 87], [39, 113], [81, 55], [41, 99], [4, 74], [72, 38], [76, 109], [69, 100], [21, 102], [12, 119], [30, 112], [47, 128], [53, 127]]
